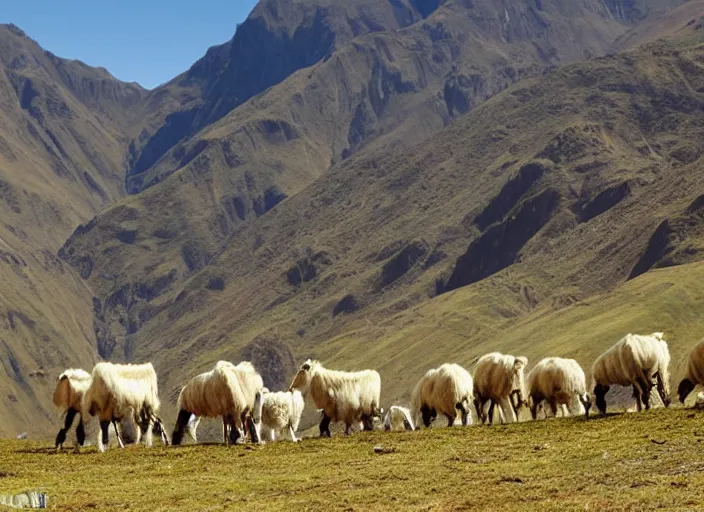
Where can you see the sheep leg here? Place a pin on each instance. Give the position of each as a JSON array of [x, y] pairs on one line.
[[193, 422], [325, 426], [61, 436], [252, 427], [120, 442], [490, 415], [536, 401], [162, 431], [103, 434], [466, 414], [292, 433], [368, 422], [236, 435], [80, 432], [427, 416], [180, 427], [646, 395], [586, 403], [600, 394], [149, 440], [507, 409], [225, 431], [661, 390], [553, 407], [685, 387], [479, 408]]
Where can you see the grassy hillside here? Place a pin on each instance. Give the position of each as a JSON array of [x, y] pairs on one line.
[[644, 461]]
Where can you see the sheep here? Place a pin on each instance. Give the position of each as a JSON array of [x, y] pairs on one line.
[[346, 397], [695, 372], [249, 384], [498, 378], [635, 360], [445, 390], [71, 385], [274, 412], [559, 382], [398, 418], [117, 390]]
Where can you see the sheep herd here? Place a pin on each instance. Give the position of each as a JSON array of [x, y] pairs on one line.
[[236, 394]]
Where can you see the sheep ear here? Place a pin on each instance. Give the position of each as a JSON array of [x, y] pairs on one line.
[[519, 363]]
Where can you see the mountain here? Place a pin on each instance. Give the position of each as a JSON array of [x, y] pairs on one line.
[[62, 146], [314, 185]]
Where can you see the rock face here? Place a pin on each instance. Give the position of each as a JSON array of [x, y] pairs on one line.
[[234, 209]]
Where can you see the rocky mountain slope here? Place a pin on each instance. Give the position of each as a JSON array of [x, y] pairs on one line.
[[62, 143], [292, 205]]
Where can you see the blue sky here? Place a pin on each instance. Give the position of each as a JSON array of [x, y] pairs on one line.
[[145, 41]]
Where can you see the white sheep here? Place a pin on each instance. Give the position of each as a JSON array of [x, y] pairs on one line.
[[500, 379], [275, 412], [695, 372], [635, 360], [348, 397], [119, 390], [398, 418], [212, 394], [560, 382], [250, 384], [68, 394], [446, 390]]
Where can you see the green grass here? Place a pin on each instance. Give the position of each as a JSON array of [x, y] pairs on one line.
[[623, 462]]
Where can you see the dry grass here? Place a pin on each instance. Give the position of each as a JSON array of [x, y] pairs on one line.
[[622, 462]]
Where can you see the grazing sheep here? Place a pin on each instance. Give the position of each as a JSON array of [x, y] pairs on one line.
[[500, 379], [559, 382], [216, 393], [635, 360], [117, 390], [250, 383], [444, 390], [695, 372], [348, 397], [68, 394], [274, 412], [398, 418]]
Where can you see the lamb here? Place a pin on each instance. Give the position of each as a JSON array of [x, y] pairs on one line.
[[444, 390], [500, 379], [559, 382], [117, 390], [68, 394], [347, 397], [274, 412], [635, 360], [218, 392], [398, 418], [695, 372], [250, 383]]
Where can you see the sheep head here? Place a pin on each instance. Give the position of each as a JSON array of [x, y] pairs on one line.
[[302, 379], [520, 390]]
